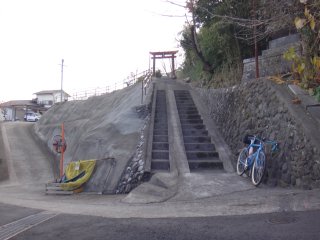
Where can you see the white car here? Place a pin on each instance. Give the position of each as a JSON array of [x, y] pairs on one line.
[[32, 117]]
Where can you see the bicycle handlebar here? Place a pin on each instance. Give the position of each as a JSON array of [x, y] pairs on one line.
[[274, 144]]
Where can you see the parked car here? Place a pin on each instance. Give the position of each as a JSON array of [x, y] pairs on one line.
[[32, 117]]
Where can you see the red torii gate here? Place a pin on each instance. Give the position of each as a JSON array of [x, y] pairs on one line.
[[161, 55]]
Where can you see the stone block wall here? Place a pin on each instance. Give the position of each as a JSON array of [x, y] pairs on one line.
[[254, 108], [271, 62]]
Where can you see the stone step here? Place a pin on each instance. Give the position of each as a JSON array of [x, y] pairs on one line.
[[160, 116], [160, 126], [161, 120], [190, 116], [199, 147], [55, 189], [158, 154], [160, 138], [187, 110], [193, 126], [181, 91], [160, 131], [202, 155], [162, 107], [160, 146], [190, 101], [191, 121], [196, 139], [161, 112], [204, 165], [185, 105], [160, 164], [194, 132], [182, 95], [190, 112], [184, 98]]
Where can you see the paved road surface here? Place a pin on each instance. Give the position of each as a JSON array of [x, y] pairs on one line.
[[289, 225], [223, 206], [27, 163]]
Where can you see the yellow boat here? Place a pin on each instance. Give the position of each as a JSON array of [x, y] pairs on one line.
[[77, 173]]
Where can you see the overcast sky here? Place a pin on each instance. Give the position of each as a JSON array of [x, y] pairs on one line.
[[101, 42]]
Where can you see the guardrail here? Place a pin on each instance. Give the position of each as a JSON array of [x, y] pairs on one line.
[[85, 94], [145, 84], [143, 76]]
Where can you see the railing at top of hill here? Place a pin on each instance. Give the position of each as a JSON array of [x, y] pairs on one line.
[[144, 77]]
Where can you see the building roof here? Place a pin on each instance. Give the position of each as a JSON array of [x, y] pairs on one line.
[[15, 103], [44, 92]]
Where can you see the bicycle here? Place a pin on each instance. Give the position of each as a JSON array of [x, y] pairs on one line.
[[252, 159]]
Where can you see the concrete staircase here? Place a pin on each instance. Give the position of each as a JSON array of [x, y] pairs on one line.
[[200, 152], [160, 145]]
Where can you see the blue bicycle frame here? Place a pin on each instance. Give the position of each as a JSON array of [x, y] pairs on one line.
[[253, 157]]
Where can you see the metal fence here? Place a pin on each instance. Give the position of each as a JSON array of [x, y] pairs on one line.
[[134, 78]]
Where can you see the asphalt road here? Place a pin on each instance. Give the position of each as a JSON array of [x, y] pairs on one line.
[[106, 217], [288, 225]]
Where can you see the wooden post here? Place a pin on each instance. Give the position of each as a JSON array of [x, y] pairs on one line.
[[173, 70], [255, 39], [154, 66]]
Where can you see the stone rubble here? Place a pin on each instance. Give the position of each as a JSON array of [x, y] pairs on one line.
[[134, 171]]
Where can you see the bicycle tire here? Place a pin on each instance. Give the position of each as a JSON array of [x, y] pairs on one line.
[[258, 169], [243, 155]]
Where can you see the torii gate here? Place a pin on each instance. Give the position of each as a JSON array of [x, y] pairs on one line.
[[161, 55]]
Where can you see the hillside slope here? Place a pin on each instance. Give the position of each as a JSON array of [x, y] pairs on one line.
[[105, 126]]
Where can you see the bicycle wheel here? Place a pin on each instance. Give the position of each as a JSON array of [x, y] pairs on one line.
[[258, 169], [242, 159]]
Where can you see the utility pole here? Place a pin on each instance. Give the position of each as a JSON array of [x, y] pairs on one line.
[[61, 79], [256, 55]]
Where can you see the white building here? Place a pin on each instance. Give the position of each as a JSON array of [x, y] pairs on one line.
[[49, 97], [16, 109], [2, 116]]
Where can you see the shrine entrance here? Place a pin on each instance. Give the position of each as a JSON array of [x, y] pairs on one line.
[[162, 55]]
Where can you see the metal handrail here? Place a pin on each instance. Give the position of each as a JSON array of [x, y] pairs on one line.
[[145, 83], [85, 94]]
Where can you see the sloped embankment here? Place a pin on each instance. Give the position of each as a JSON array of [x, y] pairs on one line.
[[101, 127]]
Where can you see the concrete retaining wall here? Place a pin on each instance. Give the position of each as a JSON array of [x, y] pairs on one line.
[[103, 127], [271, 62], [4, 171], [257, 107]]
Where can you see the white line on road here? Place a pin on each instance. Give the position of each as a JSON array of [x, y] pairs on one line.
[[12, 229]]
